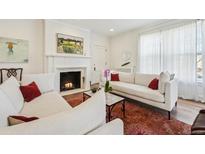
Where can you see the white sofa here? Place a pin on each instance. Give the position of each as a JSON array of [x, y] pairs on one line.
[[135, 86], [55, 115]]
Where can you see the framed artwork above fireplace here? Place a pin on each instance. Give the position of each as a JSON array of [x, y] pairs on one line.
[[70, 44]]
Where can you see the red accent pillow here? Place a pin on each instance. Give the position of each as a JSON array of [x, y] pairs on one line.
[[115, 77], [30, 91], [154, 84]]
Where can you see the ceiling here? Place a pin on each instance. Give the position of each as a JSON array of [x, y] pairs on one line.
[[103, 26]]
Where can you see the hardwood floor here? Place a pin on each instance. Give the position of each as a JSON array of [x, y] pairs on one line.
[[187, 110]]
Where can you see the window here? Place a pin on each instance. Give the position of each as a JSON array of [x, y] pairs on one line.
[[151, 44], [177, 50]]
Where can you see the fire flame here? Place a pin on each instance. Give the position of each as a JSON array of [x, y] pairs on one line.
[[69, 85]]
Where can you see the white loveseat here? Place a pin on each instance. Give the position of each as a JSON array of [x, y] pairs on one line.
[[55, 115], [135, 86]]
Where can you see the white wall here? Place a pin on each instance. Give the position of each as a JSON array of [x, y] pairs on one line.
[[52, 27], [123, 43], [41, 35], [31, 30]]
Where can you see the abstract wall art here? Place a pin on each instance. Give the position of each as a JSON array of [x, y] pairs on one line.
[[13, 50]]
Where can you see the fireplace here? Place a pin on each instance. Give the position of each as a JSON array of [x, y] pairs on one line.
[[70, 80]]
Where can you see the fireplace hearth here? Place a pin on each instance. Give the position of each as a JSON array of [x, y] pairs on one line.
[[70, 80]]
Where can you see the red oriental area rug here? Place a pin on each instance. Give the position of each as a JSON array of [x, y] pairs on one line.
[[141, 120]]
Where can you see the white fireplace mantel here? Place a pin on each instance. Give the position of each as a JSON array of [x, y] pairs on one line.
[[67, 55], [60, 62], [85, 77], [70, 68]]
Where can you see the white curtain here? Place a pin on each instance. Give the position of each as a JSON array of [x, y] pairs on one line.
[[176, 53], [179, 57], [150, 53], [203, 62]]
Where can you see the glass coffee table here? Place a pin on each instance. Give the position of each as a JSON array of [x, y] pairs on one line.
[[111, 101]]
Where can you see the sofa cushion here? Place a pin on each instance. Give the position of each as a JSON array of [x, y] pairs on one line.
[[144, 79], [6, 109], [114, 127], [30, 91], [45, 105], [11, 88], [82, 119], [44, 81], [138, 90], [126, 77]]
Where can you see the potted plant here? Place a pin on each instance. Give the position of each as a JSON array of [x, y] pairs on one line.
[[108, 88]]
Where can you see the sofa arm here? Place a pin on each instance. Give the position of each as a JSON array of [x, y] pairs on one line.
[[80, 120], [114, 127], [171, 93]]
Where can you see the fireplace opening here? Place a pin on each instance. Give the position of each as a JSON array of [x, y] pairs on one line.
[[70, 80]]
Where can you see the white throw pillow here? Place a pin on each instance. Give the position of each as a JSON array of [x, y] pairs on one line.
[[172, 76], [11, 89], [6, 109], [45, 81], [163, 78]]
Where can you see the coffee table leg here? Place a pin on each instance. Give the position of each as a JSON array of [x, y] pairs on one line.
[[83, 97], [109, 113], [123, 108]]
